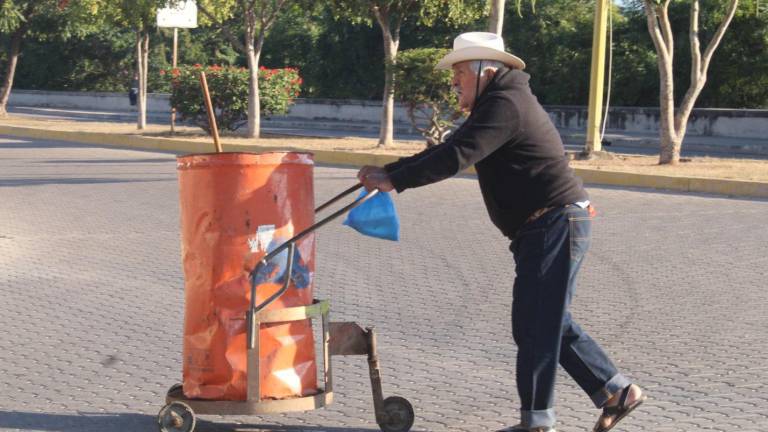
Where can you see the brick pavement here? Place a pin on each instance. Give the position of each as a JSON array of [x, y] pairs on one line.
[[91, 302]]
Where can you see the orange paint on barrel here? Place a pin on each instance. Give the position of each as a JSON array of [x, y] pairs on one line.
[[237, 207]]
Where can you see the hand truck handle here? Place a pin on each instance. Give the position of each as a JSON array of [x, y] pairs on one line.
[[291, 244]]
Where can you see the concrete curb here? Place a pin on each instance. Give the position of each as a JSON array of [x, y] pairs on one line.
[[590, 176]]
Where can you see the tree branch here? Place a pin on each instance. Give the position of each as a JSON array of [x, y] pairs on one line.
[[699, 70], [693, 34], [273, 16], [718, 37], [666, 29], [381, 15], [653, 28], [220, 26]]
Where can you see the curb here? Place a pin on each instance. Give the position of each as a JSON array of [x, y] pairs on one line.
[[737, 188]]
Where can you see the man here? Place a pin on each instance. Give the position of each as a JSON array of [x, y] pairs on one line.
[[533, 197]]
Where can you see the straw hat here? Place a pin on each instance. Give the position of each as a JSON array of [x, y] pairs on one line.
[[479, 46]]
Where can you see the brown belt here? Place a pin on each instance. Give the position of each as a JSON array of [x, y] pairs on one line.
[[538, 213], [542, 211]]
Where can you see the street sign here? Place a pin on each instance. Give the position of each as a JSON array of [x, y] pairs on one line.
[[182, 15]]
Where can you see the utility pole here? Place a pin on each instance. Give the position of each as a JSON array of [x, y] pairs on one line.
[[597, 77], [182, 14]]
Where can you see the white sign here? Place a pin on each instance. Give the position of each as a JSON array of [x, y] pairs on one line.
[[182, 15]]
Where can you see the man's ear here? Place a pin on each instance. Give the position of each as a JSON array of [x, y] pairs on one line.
[[490, 73]]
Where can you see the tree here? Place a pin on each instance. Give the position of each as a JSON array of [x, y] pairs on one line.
[[140, 16], [426, 93], [673, 122], [390, 16], [555, 43], [255, 18], [40, 19]]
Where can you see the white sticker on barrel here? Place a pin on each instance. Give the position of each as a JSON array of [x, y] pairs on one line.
[[264, 236]]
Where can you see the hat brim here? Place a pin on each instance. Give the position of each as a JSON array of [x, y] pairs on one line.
[[479, 53]]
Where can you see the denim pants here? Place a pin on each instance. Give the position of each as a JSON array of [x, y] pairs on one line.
[[548, 253]]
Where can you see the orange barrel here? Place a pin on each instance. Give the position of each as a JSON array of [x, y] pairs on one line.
[[237, 207]]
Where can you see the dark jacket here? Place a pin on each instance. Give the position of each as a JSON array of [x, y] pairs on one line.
[[517, 153]]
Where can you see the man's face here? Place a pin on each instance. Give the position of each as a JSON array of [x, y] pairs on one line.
[[464, 82]]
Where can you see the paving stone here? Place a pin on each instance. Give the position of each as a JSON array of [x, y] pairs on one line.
[[92, 302]]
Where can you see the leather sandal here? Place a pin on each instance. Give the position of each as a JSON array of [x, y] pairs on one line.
[[617, 412]]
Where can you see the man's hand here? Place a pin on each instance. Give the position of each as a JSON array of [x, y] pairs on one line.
[[374, 178]]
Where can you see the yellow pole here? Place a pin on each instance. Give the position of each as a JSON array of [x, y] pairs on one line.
[[597, 77]]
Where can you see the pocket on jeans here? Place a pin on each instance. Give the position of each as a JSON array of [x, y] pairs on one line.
[[580, 228]]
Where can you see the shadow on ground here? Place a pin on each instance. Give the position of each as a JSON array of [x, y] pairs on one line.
[[131, 422]]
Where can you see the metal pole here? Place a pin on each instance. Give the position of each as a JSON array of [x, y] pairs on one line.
[[173, 64], [597, 77]]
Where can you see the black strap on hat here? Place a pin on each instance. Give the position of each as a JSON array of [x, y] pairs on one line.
[[477, 83]]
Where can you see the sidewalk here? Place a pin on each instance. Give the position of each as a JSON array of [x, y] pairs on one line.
[[617, 142]]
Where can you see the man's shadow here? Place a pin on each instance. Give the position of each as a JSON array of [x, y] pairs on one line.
[[131, 422]]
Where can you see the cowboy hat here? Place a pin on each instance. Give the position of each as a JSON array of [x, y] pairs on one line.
[[479, 46]]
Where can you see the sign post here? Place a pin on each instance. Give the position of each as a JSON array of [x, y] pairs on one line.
[[182, 15]]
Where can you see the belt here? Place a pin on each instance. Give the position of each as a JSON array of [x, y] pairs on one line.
[[542, 211], [538, 213]]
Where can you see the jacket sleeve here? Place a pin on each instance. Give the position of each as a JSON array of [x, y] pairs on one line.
[[394, 166], [492, 123]]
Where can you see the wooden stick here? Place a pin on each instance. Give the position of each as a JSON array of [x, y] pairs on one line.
[[211, 117]]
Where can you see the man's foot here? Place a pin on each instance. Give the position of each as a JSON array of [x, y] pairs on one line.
[[619, 406], [519, 428]]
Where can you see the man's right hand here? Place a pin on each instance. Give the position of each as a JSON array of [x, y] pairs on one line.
[[368, 170], [373, 177]]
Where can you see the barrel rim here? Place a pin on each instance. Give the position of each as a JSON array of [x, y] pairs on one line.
[[241, 158]]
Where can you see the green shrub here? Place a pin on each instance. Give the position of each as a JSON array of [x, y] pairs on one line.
[[426, 93], [228, 87]]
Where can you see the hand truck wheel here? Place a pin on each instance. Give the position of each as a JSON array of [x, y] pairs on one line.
[[176, 417], [398, 415], [176, 390]]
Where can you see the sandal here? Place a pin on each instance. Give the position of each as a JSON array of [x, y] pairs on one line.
[[619, 411]]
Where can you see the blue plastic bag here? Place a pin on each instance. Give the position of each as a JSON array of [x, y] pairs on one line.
[[375, 217]]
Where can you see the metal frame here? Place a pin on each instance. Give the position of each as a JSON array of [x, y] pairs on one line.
[[253, 403], [339, 338]]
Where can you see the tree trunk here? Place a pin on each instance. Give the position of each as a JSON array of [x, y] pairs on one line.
[[496, 19], [391, 37], [661, 35], [254, 103], [142, 60], [669, 152], [14, 49], [252, 54], [386, 131]]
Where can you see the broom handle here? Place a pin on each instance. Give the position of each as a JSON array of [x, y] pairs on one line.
[[209, 108]]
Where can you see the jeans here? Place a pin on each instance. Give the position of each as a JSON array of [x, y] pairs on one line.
[[548, 253]]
